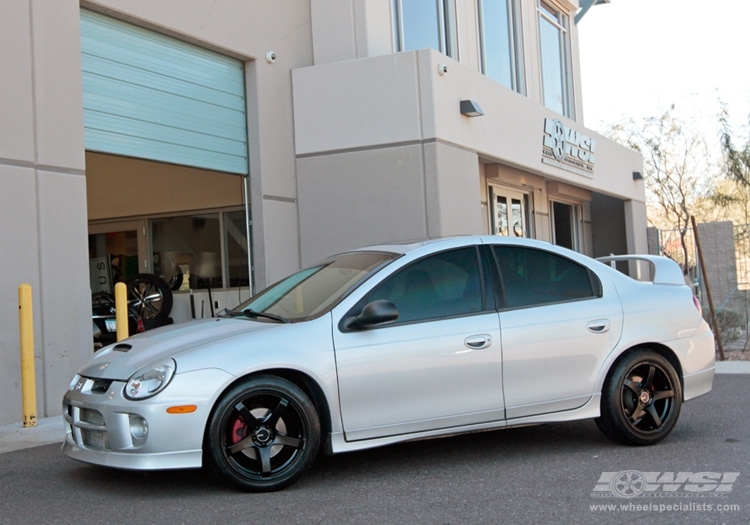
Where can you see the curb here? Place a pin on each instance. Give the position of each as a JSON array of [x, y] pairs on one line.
[[15, 437], [733, 367]]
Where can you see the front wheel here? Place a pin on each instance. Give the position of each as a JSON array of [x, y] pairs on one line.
[[641, 399], [263, 435]]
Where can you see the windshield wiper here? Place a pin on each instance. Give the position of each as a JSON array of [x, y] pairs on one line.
[[253, 314]]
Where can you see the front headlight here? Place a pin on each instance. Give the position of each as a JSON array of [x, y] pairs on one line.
[[150, 380]]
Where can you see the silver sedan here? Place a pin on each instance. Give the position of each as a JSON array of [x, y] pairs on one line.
[[394, 343]]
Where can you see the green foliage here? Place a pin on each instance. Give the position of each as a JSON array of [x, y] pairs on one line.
[[731, 324], [736, 158]]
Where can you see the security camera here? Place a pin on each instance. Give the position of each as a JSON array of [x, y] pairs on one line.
[[270, 57], [442, 69]]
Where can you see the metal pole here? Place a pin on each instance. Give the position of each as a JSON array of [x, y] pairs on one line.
[[708, 288], [121, 311], [249, 237], [28, 374]]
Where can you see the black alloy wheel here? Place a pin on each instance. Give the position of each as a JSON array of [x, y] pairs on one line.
[[263, 435], [641, 399]]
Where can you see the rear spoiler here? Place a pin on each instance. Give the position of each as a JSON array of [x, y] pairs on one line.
[[663, 269]]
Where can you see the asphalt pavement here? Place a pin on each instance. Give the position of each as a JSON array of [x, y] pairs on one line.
[[547, 474]]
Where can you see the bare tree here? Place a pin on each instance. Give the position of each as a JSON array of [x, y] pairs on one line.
[[678, 169]]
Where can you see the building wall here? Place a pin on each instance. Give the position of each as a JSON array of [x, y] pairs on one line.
[[120, 187], [402, 100], [43, 199]]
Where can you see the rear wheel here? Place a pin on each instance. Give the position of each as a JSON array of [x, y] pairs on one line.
[[263, 435], [641, 399]]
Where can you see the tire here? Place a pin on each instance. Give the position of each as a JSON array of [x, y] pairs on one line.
[[262, 435], [641, 399], [149, 297]]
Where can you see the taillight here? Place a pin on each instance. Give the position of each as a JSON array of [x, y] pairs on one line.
[[697, 304]]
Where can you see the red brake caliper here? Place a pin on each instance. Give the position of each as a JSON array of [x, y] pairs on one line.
[[239, 430]]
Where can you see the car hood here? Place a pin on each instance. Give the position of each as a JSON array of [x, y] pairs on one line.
[[123, 359]]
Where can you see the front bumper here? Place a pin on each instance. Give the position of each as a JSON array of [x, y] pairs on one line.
[[104, 428]]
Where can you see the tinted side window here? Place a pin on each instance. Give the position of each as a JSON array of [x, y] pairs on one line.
[[441, 285], [530, 277]]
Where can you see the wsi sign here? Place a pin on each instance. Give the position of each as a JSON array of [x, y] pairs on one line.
[[568, 149], [633, 483]]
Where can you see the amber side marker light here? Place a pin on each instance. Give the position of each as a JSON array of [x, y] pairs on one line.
[[182, 409]]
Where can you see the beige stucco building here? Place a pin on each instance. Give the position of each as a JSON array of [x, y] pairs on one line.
[[350, 122]]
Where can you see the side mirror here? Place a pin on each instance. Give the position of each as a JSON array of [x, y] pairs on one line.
[[375, 313]]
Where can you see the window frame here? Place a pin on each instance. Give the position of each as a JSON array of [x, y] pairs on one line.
[[223, 244], [514, 44], [447, 27], [550, 13], [486, 287]]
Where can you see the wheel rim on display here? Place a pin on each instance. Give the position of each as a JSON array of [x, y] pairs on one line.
[[648, 397], [147, 297]]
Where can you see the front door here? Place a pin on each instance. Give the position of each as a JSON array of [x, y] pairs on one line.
[[509, 212], [438, 365]]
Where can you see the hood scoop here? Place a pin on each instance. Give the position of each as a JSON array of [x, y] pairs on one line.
[[122, 347]]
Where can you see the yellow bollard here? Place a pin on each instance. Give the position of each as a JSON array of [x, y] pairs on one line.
[[28, 376], [121, 311]]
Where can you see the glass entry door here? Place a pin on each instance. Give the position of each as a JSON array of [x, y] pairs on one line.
[[117, 252], [509, 212], [566, 220]]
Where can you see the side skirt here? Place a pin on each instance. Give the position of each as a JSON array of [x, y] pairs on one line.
[[335, 443]]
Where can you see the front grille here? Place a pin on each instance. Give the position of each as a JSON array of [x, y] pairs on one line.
[[87, 427], [94, 417], [94, 439], [100, 386]]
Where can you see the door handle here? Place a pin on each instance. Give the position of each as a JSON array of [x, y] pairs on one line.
[[599, 326], [478, 342]]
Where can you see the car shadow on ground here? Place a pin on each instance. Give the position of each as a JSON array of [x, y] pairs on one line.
[[455, 453]]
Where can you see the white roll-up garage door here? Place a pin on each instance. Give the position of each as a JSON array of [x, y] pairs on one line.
[[150, 96]]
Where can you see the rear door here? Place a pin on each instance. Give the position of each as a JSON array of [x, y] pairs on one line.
[[559, 321]]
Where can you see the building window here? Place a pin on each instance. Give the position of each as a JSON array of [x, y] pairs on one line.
[[200, 251], [554, 56], [499, 41], [424, 24], [566, 225], [510, 212]]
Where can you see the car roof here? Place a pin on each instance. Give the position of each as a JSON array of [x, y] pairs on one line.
[[406, 247]]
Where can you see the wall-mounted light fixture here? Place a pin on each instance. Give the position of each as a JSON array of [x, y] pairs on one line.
[[637, 175], [471, 109]]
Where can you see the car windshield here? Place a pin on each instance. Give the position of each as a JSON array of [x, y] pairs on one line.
[[313, 291]]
